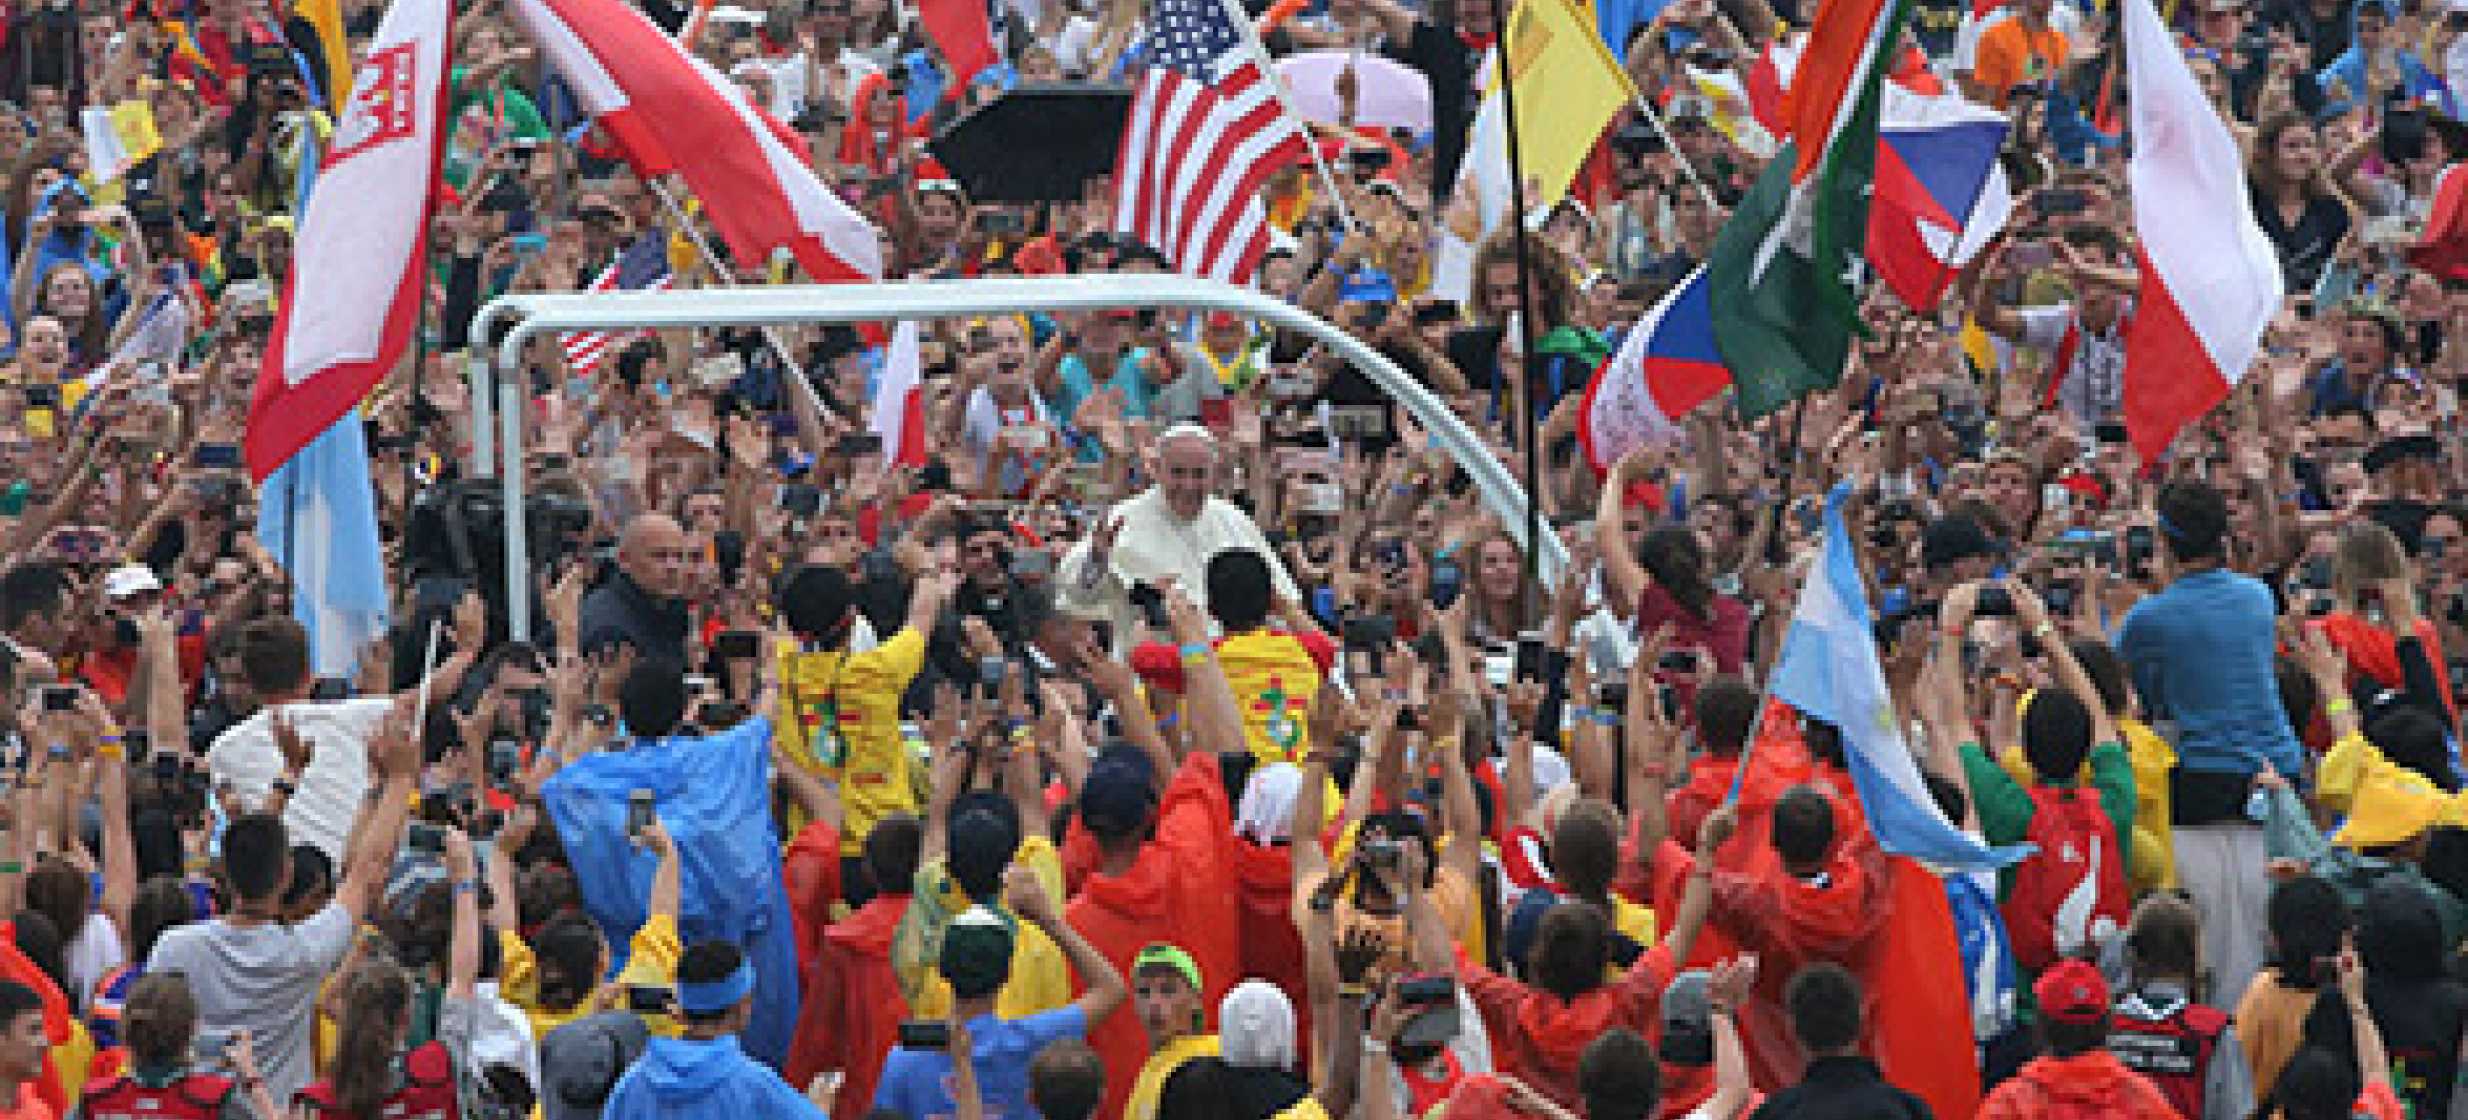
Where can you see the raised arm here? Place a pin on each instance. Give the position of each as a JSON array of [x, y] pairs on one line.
[[1697, 899], [463, 950], [394, 766], [1106, 989], [1622, 575], [1216, 720], [1115, 682], [2373, 1062], [112, 792], [668, 879], [2033, 614], [1462, 855]]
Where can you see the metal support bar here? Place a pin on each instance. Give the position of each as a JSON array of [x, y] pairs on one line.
[[539, 313]]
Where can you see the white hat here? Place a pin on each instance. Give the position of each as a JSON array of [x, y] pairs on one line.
[[130, 579]]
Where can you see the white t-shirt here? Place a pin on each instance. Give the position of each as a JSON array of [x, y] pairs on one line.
[[336, 781], [92, 953]]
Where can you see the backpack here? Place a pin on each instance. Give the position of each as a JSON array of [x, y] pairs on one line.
[[2174, 1051], [2070, 895]]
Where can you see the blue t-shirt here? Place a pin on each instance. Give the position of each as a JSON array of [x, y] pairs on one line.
[[2203, 653], [917, 1083]]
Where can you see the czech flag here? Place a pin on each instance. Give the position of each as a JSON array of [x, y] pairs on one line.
[[1666, 366], [1940, 194]]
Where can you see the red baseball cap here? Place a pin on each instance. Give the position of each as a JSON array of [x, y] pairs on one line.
[[2072, 992]]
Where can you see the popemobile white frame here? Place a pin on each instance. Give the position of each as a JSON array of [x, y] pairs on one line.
[[533, 314]]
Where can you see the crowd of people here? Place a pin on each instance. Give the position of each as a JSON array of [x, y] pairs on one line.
[[1167, 728]]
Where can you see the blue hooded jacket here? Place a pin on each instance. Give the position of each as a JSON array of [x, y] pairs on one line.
[[714, 796], [678, 1078]]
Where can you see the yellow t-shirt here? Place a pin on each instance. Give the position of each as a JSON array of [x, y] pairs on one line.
[[1040, 977], [1274, 681], [845, 726], [1161, 1065], [651, 962]]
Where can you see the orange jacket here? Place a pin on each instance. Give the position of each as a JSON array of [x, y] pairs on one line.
[[2088, 1084], [853, 1006], [1175, 892]]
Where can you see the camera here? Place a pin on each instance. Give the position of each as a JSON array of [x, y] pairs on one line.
[[647, 999], [1151, 603], [641, 813]]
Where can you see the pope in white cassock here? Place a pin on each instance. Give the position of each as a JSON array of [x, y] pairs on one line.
[[1167, 531]]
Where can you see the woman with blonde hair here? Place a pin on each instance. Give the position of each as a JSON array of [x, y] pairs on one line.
[[2375, 622]]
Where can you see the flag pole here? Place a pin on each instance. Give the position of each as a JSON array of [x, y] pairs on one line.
[[1241, 20], [796, 376], [1525, 318], [1688, 167], [795, 373]]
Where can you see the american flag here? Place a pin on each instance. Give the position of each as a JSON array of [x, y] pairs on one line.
[[1205, 130], [642, 266]]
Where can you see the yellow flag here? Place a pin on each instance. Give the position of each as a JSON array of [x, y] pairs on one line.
[[325, 17], [1568, 89], [1978, 346]]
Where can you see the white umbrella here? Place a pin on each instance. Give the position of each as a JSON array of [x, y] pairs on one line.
[[1391, 94]]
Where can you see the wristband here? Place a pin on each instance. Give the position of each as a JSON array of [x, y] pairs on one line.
[[1195, 652], [1353, 991], [112, 735], [1580, 714], [110, 749], [2044, 630], [59, 752], [284, 786], [466, 886], [11, 867], [1375, 1047], [2338, 705], [1606, 717]]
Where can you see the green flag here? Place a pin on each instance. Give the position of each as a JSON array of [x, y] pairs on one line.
[[1787, 271]]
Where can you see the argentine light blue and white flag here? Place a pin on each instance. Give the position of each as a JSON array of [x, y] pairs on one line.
[[1829, 670], [318, 514]]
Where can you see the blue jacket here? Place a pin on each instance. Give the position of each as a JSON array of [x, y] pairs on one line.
[[714, 796], [677, 1078]]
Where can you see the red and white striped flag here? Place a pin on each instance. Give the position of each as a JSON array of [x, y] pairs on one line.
[[2210, 280], [898, 416], [351, 300], [1205, 131], [643, 267], [669, 111]]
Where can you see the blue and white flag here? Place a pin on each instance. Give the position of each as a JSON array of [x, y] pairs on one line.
[[1829, 670], [318, 514]]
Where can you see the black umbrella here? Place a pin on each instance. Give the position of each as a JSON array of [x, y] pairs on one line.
[[1037, 143]]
